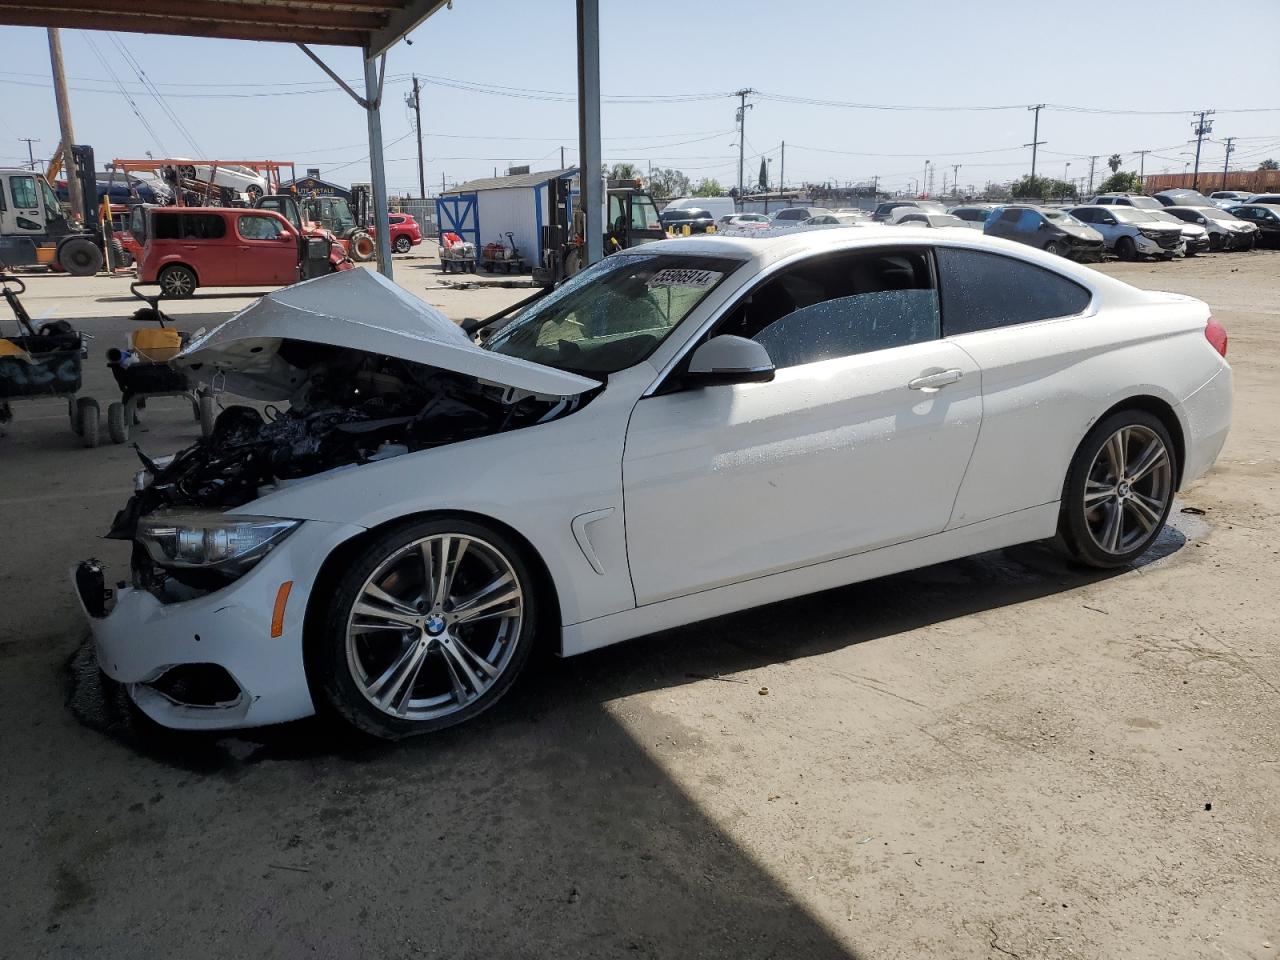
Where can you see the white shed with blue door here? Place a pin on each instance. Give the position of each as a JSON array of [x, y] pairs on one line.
[[484, 211]]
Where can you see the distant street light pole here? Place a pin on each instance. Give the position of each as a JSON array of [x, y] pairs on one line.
[[924, 181], [955, 179]]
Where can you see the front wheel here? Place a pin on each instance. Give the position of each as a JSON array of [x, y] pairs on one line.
[[1126, 249], [1119, 490], [1054, 248], [426, 628]]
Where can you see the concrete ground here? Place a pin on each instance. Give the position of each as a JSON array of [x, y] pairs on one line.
[[999, 757]]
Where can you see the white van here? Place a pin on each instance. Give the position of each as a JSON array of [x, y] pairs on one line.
[[717, 206]]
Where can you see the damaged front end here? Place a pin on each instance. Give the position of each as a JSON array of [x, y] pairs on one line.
[[330, 400]]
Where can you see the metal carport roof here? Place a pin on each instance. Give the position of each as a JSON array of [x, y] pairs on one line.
[[372, 25]]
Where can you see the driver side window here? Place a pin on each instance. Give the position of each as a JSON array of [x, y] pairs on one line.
[[840, 305]]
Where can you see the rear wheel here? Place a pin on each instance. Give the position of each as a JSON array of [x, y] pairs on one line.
[[80, 257], [403, 245], [118, 426], [87, 408], [1119, 490], [177, 282], [426, 628], [1126, 249]]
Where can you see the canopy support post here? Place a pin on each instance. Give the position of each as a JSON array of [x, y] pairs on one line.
[[377, 172], [589, 177]]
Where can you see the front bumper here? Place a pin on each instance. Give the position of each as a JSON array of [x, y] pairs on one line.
[[1240, 239], [1153, 248], [141, 639]]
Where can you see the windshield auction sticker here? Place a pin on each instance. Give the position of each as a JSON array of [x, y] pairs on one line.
[[673, 277]]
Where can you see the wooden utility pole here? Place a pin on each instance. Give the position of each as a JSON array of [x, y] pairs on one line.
[[1092, 161], [31, 157], [743, 107], [415, 100], [74, 192], [1202, 128], [1226, 164], [1035, 138]]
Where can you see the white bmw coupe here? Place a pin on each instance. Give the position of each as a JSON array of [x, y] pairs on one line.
[[685, 429]]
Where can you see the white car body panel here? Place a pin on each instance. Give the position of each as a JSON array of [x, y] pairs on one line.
[[651, 510], [740, 481]]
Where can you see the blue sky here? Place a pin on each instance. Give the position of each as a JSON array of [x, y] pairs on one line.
[[674, 61]]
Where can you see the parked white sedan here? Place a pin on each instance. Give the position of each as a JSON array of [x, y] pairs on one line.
[[688, 428]]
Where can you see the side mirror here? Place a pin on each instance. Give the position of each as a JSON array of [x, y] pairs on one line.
[[285, 235], [729, 359]]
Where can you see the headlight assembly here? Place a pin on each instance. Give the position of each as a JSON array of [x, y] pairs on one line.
[[210, 540]]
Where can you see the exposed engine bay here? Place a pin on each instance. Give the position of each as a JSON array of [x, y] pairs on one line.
[[350, 407]]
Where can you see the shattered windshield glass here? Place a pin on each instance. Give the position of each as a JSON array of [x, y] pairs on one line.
[[613, 315]]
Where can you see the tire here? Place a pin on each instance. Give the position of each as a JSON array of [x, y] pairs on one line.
[[254, 191], [87, 407], [1253, 242], [208, 414], [1054, 248], [1216, 242], [353, 650], [362, 247], [1126, 249], [1092, 535], [117, 426], [80, 257], [117, 256], [73, 414], [177, 282], [403, 245]]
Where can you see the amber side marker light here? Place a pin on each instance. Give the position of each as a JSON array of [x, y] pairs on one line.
[[277, 615]]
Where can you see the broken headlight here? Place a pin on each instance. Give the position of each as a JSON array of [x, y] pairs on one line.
[[210, 540]]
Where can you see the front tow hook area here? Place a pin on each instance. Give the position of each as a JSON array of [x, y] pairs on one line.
[[91, 585]]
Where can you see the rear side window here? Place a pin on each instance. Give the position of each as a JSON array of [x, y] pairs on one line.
[[189, 226], [982, 291]]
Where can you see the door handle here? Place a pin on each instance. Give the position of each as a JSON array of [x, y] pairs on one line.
[[935, 381]]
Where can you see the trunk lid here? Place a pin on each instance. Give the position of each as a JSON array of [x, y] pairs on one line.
[[361, 310]]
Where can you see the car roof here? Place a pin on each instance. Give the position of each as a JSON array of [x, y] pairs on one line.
[[762, 252]]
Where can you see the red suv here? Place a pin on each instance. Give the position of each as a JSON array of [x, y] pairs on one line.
[[189, 247], [405, 232]]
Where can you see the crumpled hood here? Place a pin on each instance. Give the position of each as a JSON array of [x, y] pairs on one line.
[[361, 310]]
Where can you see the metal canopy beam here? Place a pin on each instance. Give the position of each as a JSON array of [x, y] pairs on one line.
[[181, 26], [401, 23]]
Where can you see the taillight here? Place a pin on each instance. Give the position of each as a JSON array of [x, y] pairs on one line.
[[1216, 334]]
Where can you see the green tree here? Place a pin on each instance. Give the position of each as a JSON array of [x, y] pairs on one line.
[[1269, 165], [623, 171], [708, 187], [763, 180], [1113, 162], [665, 182], [1124, 181], [1042, 188]]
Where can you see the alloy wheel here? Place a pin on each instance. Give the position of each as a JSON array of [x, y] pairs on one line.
[[177, 283], [434, 626], [1128, 490]]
